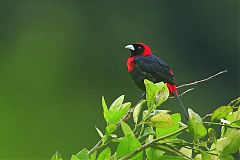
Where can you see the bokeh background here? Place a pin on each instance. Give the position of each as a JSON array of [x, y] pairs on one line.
[[58, 57]]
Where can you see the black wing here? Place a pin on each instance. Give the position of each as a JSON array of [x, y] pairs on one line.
[[154, 69]]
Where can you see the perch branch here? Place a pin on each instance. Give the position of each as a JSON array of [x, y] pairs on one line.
[[203, 80], [147, 145], [186, 92], [180, 95]]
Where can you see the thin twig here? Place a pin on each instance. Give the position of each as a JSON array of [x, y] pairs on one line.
[[208, 115], [235, 102], [186, 92], [171, 149], [147, 145], [220, 124], [180, 95], [95, 147], [180, 153], [198, 150], [203, 80]]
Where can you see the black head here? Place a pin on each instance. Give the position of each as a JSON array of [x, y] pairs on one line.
[[139, 49]]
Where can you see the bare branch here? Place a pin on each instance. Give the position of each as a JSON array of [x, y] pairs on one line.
[[186, 92], [203, 80], [180, 95], [95, 147]]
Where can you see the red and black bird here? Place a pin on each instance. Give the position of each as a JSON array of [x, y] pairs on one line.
[[142, 64]]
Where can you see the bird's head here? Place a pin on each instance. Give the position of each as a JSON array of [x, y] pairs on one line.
[[139, 49]]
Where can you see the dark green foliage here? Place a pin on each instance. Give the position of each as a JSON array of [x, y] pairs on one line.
[[155, 134]]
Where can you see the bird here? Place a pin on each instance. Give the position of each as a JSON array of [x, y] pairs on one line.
[[142, 64]]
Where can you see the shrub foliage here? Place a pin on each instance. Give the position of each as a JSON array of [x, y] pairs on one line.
[[162, 135]]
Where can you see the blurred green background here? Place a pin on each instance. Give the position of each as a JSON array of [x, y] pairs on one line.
[[57, 58]]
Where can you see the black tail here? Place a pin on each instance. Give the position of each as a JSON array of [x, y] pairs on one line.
[[181, 104]]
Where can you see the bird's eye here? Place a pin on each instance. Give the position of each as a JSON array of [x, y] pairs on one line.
[[139, 47]]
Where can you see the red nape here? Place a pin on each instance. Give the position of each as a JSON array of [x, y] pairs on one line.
[[147, 51], [172, 88]]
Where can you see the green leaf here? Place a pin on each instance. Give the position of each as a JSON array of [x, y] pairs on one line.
[[153, 154], [236, 123], [197, 129], [236, 114], [99, 132], [114, 156], [186, 151], [124, 109], [156, 94], [93, 155], [162, 94], [83, 155], [234, 118], [74, 157], [166, 157], [164, 131], [126, 129], [144, 114], [212, 135], [111, 128], [148, 131], [176, 117], [116, 115], [195, 126], [116, 111], [194, 116], [226, 157], [151, 90], [234, 141], [116, 105], [105, 154], [128, 144], [205, 156], [56, 156], [198, 157], [105, 109], [161, 120], [220, 145], [137, 111], [221, 112]]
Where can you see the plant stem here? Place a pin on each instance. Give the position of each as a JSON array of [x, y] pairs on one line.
[[177, 152], [183, 93], [208, 115], [203, 80], [220, 124], [99, 143], [141, 131], [235, 102], [148, 144], [171, 149]]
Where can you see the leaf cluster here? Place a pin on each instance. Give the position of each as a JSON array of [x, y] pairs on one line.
[[160, 134]]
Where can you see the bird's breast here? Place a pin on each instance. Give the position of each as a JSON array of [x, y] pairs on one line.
[[130, 63]]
